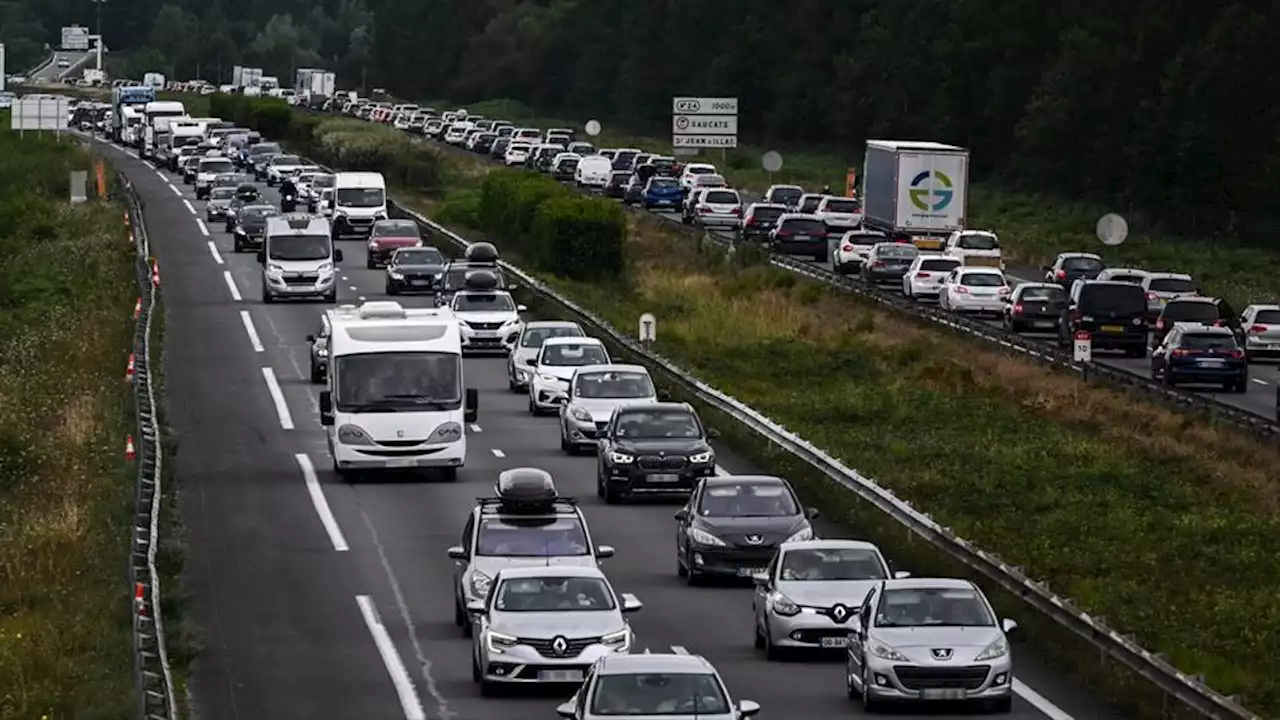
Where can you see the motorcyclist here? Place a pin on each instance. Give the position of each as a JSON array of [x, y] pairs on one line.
[[288, 194]]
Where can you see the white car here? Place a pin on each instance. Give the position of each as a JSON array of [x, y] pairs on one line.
[[1261, 325], [595, 391], [719, 207], [974, 290], [528, 342], [457, 133], [207, 171], [924, 278], [974, 248], [487, 317], [516, 154], [593, 171], [282, 165], [841, 214], [558, 359], [848, 255], [693, 170]]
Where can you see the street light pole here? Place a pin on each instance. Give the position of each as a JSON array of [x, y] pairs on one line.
[[98, 7]]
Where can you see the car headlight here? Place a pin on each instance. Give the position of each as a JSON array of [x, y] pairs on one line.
[[274, 270], [621, 458], [880, 650], [702, 537], [997, 649], [499, 643], [702, 457], [782, 605], [395, 275], [617, 641], [373, 245], [446, 433], [325, 268], [437, 276], [805, 534], [480, 584], [239, 230], [548, 378], [322, 352], [580, 415], [353, 435]]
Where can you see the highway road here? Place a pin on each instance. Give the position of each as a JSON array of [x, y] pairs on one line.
[[52, 73], [317, 598]]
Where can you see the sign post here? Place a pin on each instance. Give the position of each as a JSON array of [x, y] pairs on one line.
[[699, 123], [648, 329], [1082, 350]]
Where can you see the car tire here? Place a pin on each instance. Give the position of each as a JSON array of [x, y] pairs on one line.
[[690, 575], [459, 614], [475, 670], [1003, 706], [870, 705], [612, 495], [449, 474], [267, 298], [317, 377], [391, 290], [755, 625], [567, 447], [490, 689]]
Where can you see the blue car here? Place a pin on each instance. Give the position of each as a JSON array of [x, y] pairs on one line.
[[1202, 354], [662, 192]]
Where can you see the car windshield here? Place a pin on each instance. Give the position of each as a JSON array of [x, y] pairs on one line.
[[222, 193], [683, 694], [978, 241], [721, 197], [1190, 312], [483, 302], [264, 149], [897, 251], [360, 197], [216, 166], [804, 225], [939, 265], [982, 280], [532, 537], [843, 206], [946, 607], [1082, 264], [574, 354], [554, 594], [534, 337], [663, 183], [395, 228], [1208, 341], [1112, 298], [1267, 317], [613, 385], [1171, 285], [747, 500], [830, 564], [299, 247], [398, 381], [1045, 294], [418, 256], [286, 160], [652, 425]]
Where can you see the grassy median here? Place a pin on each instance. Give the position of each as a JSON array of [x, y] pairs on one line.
[[67, 291]]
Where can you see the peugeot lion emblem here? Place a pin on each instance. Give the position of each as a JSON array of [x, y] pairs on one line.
[[754, 539], [941, 653], [560, 645]]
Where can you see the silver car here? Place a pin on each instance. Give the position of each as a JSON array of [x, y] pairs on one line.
[[1163, 287], [219, 201], [547, 625], [595, 391], [1261, 325], [929, 639], [526, 344], [810, 592], [660, 687]]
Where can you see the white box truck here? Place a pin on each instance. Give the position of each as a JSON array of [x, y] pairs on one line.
[[916, 189]]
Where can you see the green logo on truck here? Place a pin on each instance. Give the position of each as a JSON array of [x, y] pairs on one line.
[[931, 191]]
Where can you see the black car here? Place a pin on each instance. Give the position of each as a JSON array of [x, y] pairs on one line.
[[759, 219], [617, 185], [1209, 311], [484, 142], [1195, 353], [416, 269], [796, 234], [733, 525], [499, 148], [1035, 307], [657, 449], [565, 169], [1067, 268], [251, 226], [1113, 313]]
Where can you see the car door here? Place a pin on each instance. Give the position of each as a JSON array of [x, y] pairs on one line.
[[468, 545], [688, 512], [760, 601], [949, 282], [1160, 354], [858, 633]]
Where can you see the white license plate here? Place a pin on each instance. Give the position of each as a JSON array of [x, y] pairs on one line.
[[1045, 323], [1210, 362], [802, 237], [748, 572], [486, 333], [835, 642], [663, 478], [421, 282], [560, 676], [291, 276], [400, 462], [942, 694]]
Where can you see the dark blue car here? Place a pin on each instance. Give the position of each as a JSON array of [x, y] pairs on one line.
[[662, 192], [1195, 353]]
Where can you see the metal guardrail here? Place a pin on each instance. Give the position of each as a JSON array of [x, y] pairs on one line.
[[1187, 689], [153, 676]]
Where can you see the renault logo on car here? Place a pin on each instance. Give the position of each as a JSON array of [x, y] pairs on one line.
[[560, 645], [839, 612]]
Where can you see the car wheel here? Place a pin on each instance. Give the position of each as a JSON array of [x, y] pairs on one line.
[[391, 290], [565, 445], [475, 670], [690, 575], [755, 625], [772, 652], [459, 614], [612, 495], [267, 297], [317, 377]]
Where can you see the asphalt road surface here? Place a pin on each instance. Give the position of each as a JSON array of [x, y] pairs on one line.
[[52, 73], [318, 598]]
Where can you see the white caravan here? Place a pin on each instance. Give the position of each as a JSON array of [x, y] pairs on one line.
[[151, 112]]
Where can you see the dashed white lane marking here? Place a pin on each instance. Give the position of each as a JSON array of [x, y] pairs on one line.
[[131, 154], [1260, 381], [204, 229], [213, 250], [175, 189], [190, 209], [400, 679], [149, 164], [251, 331], [679, 650], [321, 504], [475, 428], [231, 285], [277, 397], [353, 287], [161, 176], [1039, 702], [498, 453]]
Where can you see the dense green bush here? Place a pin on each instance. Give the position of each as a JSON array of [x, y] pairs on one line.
[[551, 227]]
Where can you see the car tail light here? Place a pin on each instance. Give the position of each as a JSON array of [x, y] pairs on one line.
[[1180, 353], [878, 263], [1217, 323], [704, 209], [1236, 354], [922, 275], [1061, 274], [1152, 296], [849, 248], [783, 233], [1017, 309], [1160, 324], [1258, 329], [737, 211], [962, 290]]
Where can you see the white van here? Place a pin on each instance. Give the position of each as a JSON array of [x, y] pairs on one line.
[[298, 259], [153, 111], [396, 396], [593, 171], [359, 200]]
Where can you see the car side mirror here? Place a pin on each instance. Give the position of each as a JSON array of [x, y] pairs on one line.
[[326, 408], [603, 552], [262, 257], [748, 708], [1010, 627], [681, 515], [476, 607], [1046, 268], [712, 433], [337, 254], [568, 710], [457, 552], [901, 575], [761, 579], [811, 512], [532, 362], [522, 308], [630, 603], [472, 406]]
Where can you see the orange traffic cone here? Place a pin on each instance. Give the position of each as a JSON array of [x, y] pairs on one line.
[[130, 452], [140, 598], [130, 368], [137, 309]]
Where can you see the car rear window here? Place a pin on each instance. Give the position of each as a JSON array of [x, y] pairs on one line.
[[1190, 312], [1113, 298], [722, 197], [1049, 294], [873, 239], [978, 242], [939, 265], [1267, 317], [1208, 341], [803, 225], [786, 194], [897, 250], [1135, 279], [767, 213], [843, 206], [1081, 263], [981, 280], [1172, 285]]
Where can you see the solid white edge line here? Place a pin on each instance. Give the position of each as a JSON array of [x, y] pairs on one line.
[[204, 229], [161, 176], [213, 250], [231, 285], [277, 397], [475, 428], [190, 209], [391, 659], [498, 453], [1039, 702], [175, 189], [679, 650], [321, 504], [251, 330]]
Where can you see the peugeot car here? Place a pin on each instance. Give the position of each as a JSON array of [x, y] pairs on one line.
[[594, 393], [526, 342], [554, 366]]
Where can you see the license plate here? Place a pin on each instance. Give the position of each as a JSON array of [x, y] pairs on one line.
[[291, 276], [1045, 323], [663, 478], [802, 237], [748, 572], [560, 676], [1210, 362], [942, 694], [834, 642], [421, 282], [400, 462], [486, 334], [1113, 328]]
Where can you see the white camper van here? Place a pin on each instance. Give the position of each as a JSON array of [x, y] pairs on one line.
[[359, 200]]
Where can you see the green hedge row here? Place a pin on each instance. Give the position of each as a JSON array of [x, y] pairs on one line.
[[552, 228], [343, 143]]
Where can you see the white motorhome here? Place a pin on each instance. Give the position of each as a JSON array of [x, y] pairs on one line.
[[162, 137], [153, 111], [359, 200], [131, 125], [396, 396]]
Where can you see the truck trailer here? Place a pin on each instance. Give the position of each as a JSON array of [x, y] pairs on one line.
[[915, 189]]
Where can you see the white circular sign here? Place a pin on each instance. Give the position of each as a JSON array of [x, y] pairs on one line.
[[682, 123], [772, 161], [593, 127], [1112, 229]]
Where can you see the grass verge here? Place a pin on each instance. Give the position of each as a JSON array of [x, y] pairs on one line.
[[1142, 515], [67, 290], [1032, 228]]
